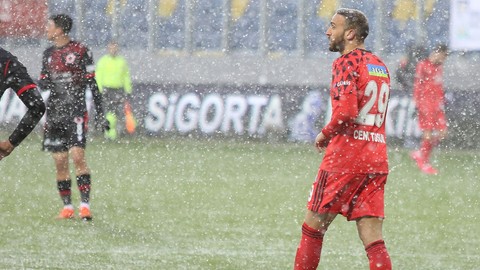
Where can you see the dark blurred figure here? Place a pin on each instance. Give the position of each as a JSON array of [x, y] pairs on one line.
[[405, 76]]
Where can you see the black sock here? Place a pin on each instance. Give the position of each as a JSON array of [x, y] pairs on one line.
[[64, 188], [83, 183]]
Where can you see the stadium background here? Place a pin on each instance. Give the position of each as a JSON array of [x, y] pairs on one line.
[[241, 67]]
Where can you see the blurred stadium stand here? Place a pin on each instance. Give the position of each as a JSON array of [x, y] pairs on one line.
[[246, 41], [168, 23]]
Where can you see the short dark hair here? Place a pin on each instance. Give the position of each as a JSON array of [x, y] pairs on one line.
[[63, 21], [355, 19], [440, 48]]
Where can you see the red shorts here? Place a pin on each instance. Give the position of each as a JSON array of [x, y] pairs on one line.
[[352, 195], [432, 120]]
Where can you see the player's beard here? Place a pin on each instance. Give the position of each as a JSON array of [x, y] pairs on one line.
[[337, 44]]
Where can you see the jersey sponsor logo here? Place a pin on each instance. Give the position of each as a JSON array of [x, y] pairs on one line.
[[56, 142], [378, 71], [343, 83]]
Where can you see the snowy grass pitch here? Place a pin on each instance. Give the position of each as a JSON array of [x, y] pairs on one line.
[[193, 204]]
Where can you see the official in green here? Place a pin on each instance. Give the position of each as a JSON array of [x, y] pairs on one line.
[[113, 80]]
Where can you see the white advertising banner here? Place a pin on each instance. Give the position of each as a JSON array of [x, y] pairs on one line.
[[464, 30], [292, 113]]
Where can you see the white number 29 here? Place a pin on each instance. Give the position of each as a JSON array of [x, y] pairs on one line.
[[364, 116]]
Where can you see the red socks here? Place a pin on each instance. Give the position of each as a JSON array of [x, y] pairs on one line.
[[378, 256], [309, 249], [427, 148]]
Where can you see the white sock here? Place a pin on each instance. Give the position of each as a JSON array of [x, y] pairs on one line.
[[83, 204]]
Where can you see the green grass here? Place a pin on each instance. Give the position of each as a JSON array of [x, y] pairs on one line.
[[197, 204]]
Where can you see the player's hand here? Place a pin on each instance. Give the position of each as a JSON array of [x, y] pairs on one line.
[[321, 142], [103, 125], [6, 148]]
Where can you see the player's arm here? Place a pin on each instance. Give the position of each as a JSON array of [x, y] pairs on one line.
[[18, 79], [344, 112], [45, 82], [97, 99], [99, 73], [97, 96], [100, 119]]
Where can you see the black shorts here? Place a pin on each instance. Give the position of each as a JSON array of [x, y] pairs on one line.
[[61, 136], [114, 101]]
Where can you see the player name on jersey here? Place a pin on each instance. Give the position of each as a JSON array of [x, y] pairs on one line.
[[368, 136]]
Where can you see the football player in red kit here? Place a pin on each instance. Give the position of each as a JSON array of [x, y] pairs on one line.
[[430, 101], [353, 173], [67, 72]]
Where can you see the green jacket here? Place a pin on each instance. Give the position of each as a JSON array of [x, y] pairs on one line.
[[113, 72]]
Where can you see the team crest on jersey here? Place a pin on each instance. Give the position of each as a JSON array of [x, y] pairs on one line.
[[70, 58], [379, 71]]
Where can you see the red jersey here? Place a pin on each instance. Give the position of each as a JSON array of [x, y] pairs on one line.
[[428, 88], [359, 93]]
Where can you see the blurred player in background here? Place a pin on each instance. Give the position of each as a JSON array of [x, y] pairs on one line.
[[353, 173], [430, 101], [113, 78], [405, 76], [67, 72], [13, 74], [405, 73]]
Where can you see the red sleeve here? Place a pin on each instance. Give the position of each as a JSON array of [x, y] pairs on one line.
[[343, 114], [344, 98]]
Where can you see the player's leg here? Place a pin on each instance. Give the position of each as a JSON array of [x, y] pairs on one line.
[[368, 210], [315, 224], [61, 165], [439, 130], [109, 104], [78, 142], [370, 232], [55, 141], [425, 122], [64, 184], [112, 123], [429, 142], [79, 161], [310, 247], [119, 112], [83, 180], [427, 145]]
